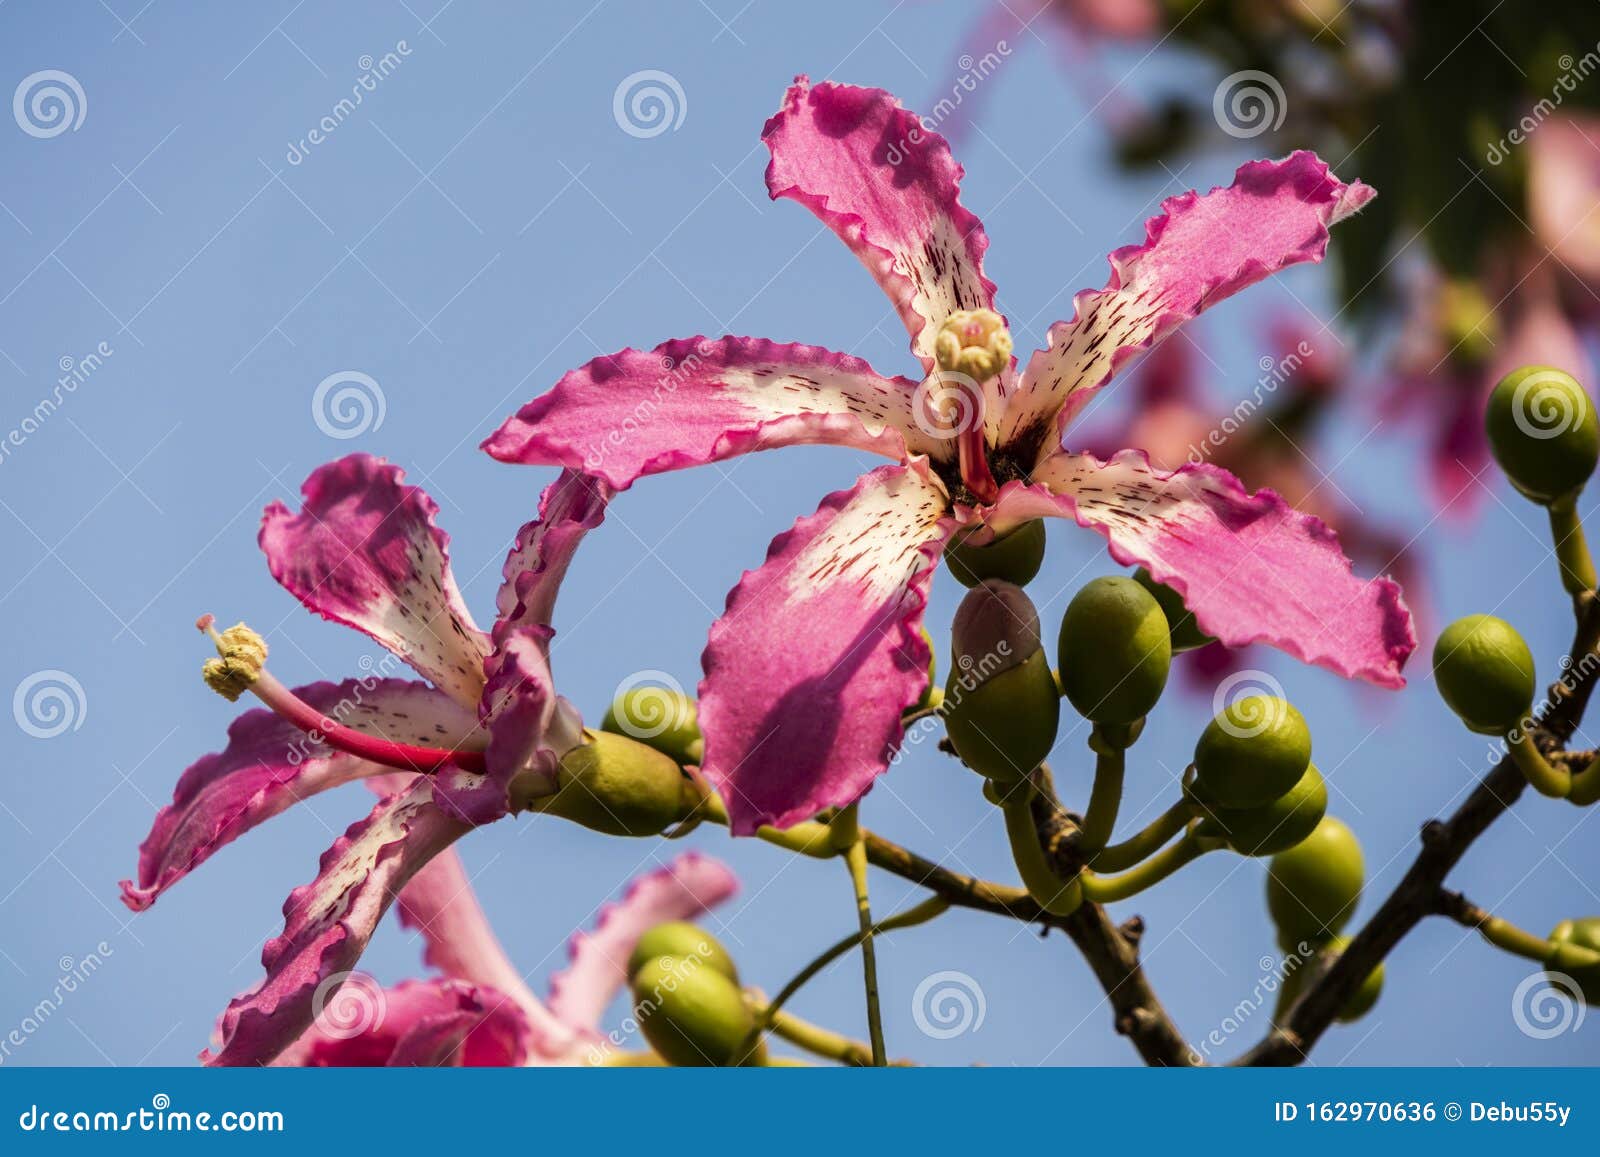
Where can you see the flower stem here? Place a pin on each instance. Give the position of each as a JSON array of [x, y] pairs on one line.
[[1506, 935], [807, 839], [823, 1042], [1545, 779], [1572, 551], [1100, 820], [1106, 889], [846, 834], [1055, 895], [1146, 843]]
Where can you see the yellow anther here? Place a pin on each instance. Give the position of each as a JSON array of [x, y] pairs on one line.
[[242, 656], [974, 342]]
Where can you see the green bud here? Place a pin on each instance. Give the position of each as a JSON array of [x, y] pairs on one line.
[[1543, 431], [1274, 827], [687, 942], [1186, 633], [663, 717], [1115, 650], [1015, 556], [1255, 749], [1001, 707], [1584, 933], [618, 786], [692, 1014], [1313, 888], [1484, 672]]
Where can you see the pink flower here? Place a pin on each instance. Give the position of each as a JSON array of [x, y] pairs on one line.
[[487, 727], [479, 1010], [807, 672]]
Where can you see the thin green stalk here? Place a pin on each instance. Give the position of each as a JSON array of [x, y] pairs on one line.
[[1546, 780], [1105, 800], [1107, 889], [1572, 551], [823, 1042], [1119, 857], [1506, 935], [846, 834]]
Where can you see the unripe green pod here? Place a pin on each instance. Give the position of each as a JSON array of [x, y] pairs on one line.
[[1543, 431], [1274, 827], [664, 718], [686, 941], [1001, 707], [1313, 887], [1114, 650], [1584, 933], [618, 786], [1359, 1004], [1014, 557], [1186, 633], [933, 669], [1254, 750], [1485, 673], [691, 1014]]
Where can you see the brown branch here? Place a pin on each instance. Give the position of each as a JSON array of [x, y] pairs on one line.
[[1420, 893]]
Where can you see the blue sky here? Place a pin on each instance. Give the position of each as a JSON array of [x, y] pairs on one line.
[[478, 225]]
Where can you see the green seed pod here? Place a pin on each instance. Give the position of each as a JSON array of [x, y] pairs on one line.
[[1014, 557], [1274, 827], [1358, 1005], [1584, 933], [687, 942], [1186, 633], [1115, 650], [618, 786], [1001, 707], [663, 717], [691, 1014], [1484, 672], [1543, 431], [1313, 888], [1255, 749]]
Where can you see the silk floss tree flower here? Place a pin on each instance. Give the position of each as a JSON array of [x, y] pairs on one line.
[[820, 648], [484, 737]]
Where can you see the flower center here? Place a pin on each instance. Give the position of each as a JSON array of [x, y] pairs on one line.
[[241, 665], [972, 346]]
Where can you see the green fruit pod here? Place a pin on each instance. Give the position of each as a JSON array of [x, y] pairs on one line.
[[686, 941], [1485, 673], [691, 1014], [618, 786], [1563, 969], [1274, 827], [661, 716], [1543, 431], [1253, 751], [1313, 887], [1186, 633], [1358, 1005], [1014, 557], [1001, 708], [1114, 651]]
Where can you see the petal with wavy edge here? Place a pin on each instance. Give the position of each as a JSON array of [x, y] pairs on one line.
[[270, 764], [690, 885], [570, 507], [328, 922], [364, 551], [1250, 566], [693, 401], [819, 651], [1199, 251], [889, 188]]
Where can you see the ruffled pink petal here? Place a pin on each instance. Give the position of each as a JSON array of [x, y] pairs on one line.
[[364, 551], [1250, 566], [890, 190], [1564, 191], [819, 651], [690, 885], [1201, 250], [415, 1024], [689, 402], [328, 922], [570, 507], [270, 764]]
